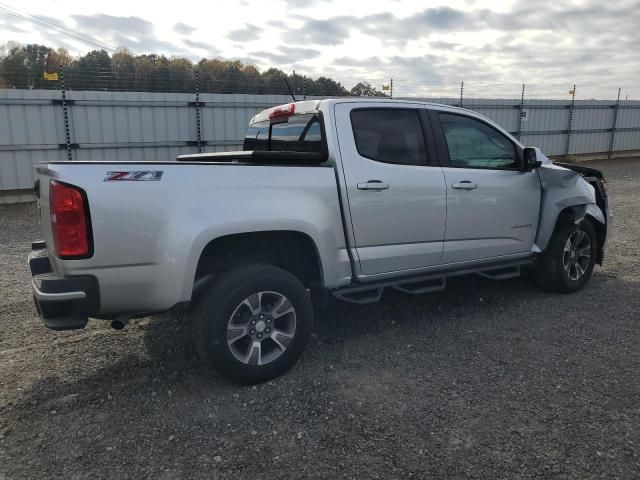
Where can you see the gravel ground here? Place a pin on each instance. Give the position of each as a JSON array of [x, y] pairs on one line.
[[485, 380]]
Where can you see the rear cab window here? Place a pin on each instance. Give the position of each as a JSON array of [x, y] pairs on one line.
[[297, 133]]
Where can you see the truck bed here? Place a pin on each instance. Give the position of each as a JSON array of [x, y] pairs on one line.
[[150, 221], [257, 157]]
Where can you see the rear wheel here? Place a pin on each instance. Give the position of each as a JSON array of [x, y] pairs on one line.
[[568, 262], [253, 323]]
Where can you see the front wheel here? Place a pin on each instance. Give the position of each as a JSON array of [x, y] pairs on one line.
[[253, 323], [568, 262]]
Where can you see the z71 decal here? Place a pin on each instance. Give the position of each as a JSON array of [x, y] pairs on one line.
[[141, 176]]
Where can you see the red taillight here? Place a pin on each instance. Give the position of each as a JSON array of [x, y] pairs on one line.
[[69, 221], [282, 111]]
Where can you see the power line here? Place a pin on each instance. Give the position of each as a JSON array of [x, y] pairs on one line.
[[76, 32], [51, 25]]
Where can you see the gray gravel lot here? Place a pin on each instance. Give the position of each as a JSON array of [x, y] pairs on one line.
[[485, 380]]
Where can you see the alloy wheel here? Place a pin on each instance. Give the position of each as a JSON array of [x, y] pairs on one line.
[[577, 254], [261, 328]]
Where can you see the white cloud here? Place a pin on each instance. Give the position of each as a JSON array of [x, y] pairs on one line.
[[426, 48]]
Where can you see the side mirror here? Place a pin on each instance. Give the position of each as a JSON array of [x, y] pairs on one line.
[[531, 159]]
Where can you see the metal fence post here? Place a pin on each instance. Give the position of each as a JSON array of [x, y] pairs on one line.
[[461, 94], [198, 120], [570, 126], [520, 113], [65, 113], [616, 109]]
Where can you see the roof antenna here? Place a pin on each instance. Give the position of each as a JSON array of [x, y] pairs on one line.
[[289, 87]]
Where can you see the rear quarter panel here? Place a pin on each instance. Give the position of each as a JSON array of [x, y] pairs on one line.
[[148, 235]]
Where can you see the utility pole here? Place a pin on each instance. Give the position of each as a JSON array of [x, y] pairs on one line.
[[391, 88], [65, 113], [570, 126], [460, 103], [521, 113], [614, 124], [293, 80], [198, 118]]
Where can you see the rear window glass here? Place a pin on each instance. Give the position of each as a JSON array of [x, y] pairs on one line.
[[390, 135], [299, 133]]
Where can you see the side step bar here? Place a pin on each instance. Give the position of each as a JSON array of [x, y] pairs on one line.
[[417, 287], [372, 292], [501, 273]]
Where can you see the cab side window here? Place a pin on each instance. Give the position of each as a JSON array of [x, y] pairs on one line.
[[389, 135], [474, 144]]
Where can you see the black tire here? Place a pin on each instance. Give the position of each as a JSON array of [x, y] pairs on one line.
[[212, 315], [549, 271]]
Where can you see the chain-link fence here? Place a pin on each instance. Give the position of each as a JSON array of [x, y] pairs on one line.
[[162, 75], [175, 77]]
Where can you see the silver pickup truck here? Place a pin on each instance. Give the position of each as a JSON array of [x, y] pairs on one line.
[[340, 197]]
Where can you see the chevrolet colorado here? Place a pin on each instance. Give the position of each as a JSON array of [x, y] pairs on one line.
[[341, 197]]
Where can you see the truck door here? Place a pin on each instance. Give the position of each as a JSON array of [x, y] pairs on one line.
[[492, 204], [394, 187]]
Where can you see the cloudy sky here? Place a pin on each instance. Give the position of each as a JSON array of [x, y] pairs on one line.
[[427, 47]]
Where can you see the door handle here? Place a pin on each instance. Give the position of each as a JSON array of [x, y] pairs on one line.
[[465, 185], [373, 185]]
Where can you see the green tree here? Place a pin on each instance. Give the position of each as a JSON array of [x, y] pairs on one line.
[[158, 75], [63, 56], [325, 87], [143, 68], [232, 79], [123, 67], [252, 79], [3, 54], [36, 58], [366, 90], [90, 72], [180, 75], [273, 81], [23, 66], [211, 74]]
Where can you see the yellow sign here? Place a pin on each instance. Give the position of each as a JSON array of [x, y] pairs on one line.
[[51, 76], [385, 86]]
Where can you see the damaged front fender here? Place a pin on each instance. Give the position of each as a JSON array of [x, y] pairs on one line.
[[563, 190], [592, 210]]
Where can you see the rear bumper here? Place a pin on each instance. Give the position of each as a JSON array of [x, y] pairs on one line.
[[64, 303]]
